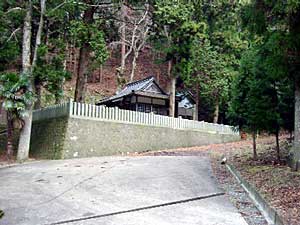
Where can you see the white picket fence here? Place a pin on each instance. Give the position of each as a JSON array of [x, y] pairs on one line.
[[103, 113]]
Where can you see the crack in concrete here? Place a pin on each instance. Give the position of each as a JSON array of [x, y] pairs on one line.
[[139, 209]]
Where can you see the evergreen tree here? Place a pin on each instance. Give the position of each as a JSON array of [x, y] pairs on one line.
[[277, 25], [176, 31]]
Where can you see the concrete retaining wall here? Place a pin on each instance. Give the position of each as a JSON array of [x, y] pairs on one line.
[[48, 138], [69, 137]]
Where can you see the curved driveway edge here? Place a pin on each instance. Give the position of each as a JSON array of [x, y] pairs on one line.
[[270, 214]]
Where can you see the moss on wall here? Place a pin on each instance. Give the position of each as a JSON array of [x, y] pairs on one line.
[[47, 138], [65, 137]]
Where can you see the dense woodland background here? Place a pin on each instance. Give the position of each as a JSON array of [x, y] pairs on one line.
[[240, 59]]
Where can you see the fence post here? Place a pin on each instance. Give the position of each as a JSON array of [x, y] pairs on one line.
[[70, 107], [151, 118], [79, 108], [85, 109], [97, 111], [106, 112], [122, 114], [75, 112], [101, 111], [110, 113], [131, 116], [94, 111], [116, 113], [90, 110]]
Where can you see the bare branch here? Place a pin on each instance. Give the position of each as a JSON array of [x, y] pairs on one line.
[[116, 43], [13, 9], [100, 4], [57, 7], [39, 32], [13, 34]]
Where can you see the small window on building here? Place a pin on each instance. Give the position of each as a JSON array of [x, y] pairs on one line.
[[144, 108], [141, 108], [147, 108]]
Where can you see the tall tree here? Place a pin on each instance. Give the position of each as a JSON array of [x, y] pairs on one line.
[[28, 63], [50, 70], [269, 19], [216, 54], [257, 93], [84, 55], [209, 74], [14, 96], [27, 42], [89, 37], [133, 21], [176, 31]]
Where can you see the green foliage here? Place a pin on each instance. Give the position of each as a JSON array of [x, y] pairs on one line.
[[10, 39], [13, 91], [173, 13], [210, 70], [83, 33], [259, 101], [49, 71], [262, 95], [176, 30], [217, 52]]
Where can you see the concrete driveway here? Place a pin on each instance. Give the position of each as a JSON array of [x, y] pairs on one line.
[[115, 191]]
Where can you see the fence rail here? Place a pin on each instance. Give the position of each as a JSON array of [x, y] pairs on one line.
[[103, 113]]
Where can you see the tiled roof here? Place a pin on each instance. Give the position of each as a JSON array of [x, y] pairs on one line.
[[136, 86], [186, 99]]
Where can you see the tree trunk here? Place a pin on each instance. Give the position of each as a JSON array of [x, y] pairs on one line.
[[84, 56], [123, 45], [296, 145], [74, 59], [197, 100], [277, 145], [24, 141], [121, 70], [216, 113], [27, 67], [57, 99], [39, 33], [82, 71], [9, 142], [135, 56], [67, 55], [254, 145], [172, 97], [37, 84], [172, 90], [101, 74], [169, 68], [294, 27]]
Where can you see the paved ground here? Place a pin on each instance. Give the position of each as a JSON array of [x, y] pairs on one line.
[[115, 191]]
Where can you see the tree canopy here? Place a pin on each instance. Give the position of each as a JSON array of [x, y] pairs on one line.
[[240, 59]]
